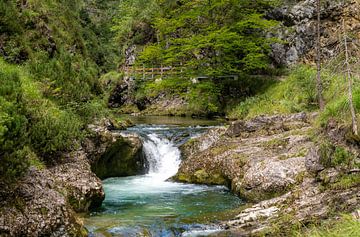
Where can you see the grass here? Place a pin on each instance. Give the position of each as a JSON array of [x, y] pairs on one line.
[[295, 94], [347, 226]]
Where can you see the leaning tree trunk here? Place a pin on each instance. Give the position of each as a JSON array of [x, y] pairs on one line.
[[319, 86], [349, 80]]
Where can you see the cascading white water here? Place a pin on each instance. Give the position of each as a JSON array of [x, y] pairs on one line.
[[163, 157], [151, 204]]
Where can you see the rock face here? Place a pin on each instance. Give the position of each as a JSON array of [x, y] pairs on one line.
[[44, 202], [304, 203], [125, 157], [257, 159], [114, 154], [298, 28]]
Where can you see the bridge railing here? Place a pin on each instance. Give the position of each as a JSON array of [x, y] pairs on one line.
[[162, 72], [153, 72]]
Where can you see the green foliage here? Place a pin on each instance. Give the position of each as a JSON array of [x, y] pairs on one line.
[[30, 124], [62, 47], [132, 19], [174, 85], [295, 94], [346, 181], [206, 37], [202, 98]]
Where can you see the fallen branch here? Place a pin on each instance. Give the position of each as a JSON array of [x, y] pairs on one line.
[[354, 171]]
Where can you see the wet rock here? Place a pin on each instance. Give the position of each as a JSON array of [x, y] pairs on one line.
[[304, 203], [83, 188], [201, 143], [124, 157], [118, 96]]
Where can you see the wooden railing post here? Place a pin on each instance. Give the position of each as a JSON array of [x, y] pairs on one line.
[[161, 72], [143, 69]]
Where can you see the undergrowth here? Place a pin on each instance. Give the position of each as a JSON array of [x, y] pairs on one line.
[[347, 226]]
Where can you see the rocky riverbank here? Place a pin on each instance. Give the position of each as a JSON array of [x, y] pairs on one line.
[[47, 200], [280, 164]]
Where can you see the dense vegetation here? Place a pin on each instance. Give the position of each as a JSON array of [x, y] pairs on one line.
[[61, 48], [205, 37]]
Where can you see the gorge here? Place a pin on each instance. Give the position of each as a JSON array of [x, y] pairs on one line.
[[179, 118]]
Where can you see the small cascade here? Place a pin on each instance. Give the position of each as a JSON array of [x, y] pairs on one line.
[[151, 204], [163, 157]]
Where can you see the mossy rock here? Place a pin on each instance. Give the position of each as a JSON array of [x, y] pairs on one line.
[[124, 158], [202, 177]]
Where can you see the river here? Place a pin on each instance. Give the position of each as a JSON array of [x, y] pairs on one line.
[[150, 205]]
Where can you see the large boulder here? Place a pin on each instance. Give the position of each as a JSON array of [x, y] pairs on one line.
[[124, 157], [257, 159], [45, 201]]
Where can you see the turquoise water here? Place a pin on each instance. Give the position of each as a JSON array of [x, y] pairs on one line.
[[149, 205]]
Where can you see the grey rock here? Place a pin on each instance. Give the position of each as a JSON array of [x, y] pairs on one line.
[[312, 161]]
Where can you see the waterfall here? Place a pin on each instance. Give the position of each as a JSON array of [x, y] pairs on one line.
[[163, 157]]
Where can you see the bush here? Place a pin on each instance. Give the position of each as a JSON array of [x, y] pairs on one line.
[[30, 124], [204, 98]]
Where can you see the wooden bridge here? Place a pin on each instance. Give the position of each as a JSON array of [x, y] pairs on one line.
[[147, 73]]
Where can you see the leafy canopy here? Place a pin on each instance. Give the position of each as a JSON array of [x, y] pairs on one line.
[[205, 36]]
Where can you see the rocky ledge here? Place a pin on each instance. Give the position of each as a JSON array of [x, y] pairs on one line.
[[280, 167], [45, 201], [257, 159]]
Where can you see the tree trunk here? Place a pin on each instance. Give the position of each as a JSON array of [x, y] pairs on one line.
[[319, 86], [349, 79]]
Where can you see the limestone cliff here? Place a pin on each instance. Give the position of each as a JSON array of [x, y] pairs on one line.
[[298, 29]]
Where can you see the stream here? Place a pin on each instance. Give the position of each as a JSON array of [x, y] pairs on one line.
[[149, 205]]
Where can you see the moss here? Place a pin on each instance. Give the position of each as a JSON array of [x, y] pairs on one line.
[[123, 158], [203, 177], [335, 156], [19, 203], [44, 211], [301, 153], [241, 158], [181, 177], [276, 143], [221, 149], [128, 109], [346, 181], [300, 177]]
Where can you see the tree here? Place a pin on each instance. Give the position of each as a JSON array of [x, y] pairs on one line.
[[349, 80], [319, 86], [209, 37]]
